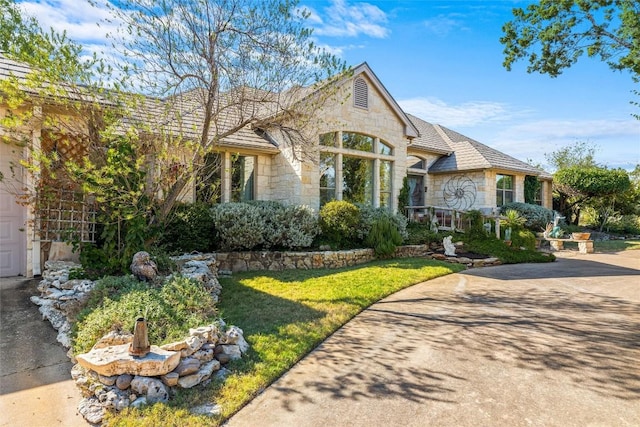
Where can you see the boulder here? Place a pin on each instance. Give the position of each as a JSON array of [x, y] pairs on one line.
[[116, 360], [203, 374], [153, 389], [91, 410]]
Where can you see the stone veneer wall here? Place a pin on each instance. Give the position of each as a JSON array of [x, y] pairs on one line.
[[231, 262]]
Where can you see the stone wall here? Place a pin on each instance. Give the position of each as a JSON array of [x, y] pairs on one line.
[[231, 262]]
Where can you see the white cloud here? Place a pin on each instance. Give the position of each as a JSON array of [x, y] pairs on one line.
[[442, 25], [78, 18], [523, 135], [342, 19], [466, 114]]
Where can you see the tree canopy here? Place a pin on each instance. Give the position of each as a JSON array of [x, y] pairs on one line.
[[553, 34]]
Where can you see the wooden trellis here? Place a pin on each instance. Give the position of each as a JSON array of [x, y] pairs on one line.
[[67, 215]]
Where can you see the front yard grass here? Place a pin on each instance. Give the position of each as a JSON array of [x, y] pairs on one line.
[[284, 316], [616, 245]]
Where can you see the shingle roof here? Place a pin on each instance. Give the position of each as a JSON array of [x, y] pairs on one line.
[[429, 140], [464, 153], [470, 154]]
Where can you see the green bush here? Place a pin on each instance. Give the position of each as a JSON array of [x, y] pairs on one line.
[[339, 222], [369, 215], [301, 227], [537, 217], [170, 310], [476, 228], [189, 228], [420, 233], [523, 238], [383, 237], [239, 226], [274, 227]]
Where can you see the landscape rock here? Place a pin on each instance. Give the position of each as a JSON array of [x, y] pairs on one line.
[[91, 410], [116, 360], [187, 366], [123, 381], [203, 374], [153, 389]]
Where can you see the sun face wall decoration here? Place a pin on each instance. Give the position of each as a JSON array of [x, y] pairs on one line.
[[459, 193]]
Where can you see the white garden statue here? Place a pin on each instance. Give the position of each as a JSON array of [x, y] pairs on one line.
[[449, 247]]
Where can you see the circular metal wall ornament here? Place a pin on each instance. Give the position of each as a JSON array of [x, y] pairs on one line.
[[459, 193]]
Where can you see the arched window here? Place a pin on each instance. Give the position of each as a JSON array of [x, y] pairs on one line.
[[360, 93]]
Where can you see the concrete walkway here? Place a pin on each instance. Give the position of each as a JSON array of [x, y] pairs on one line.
[[35, 384], [516, 345]]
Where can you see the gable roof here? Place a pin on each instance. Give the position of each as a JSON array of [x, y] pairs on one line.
[[410, 129], [464, 153]]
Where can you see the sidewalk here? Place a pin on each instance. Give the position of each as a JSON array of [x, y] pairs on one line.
[[35, 383]]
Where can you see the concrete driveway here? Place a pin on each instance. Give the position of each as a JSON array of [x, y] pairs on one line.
[[516, 345], [35, 383]]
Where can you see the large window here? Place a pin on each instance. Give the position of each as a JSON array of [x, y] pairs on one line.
[[242, 178], [385, 183], [356, 168], [327, 178], [504, 189], [357, 180], [209, 182]]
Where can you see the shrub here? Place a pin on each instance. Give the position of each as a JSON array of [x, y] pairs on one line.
[[274, 226], [339, 222], [238, 226], [476, 228], [170, 311], [301, 226], [189, 228], [369, 215], [420, 233], [537, 217], [383, 237], [523, 238]]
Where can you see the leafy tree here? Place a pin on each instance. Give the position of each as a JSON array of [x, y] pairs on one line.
[[552, 35], [579, 186], [579, 153], [219, 67]]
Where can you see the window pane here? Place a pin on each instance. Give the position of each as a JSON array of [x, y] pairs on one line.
[[242, 176], [357, 180], [356, 141], [327, 178], [208, 185], [415, 162], [416, 192], [508, 182], [328, 139], [384, 148], [385, 183], [499, 198], [508, 197]]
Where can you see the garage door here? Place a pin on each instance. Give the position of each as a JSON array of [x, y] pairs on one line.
[[12, 217]]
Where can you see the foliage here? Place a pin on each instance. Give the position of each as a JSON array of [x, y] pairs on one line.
[[188, 228], [383, 237], [170, 310], [238, 226], [532, 186], [578, 153], [513, 219], [420, 233], [552, 35], [537, 217], [523, 239], [476, 221], [369, 215], [577, 187], [403, 196], [339, 222], [492, 246], [301, 227], [234, 56]]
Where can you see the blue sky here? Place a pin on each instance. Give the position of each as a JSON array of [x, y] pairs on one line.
[[442, 61]]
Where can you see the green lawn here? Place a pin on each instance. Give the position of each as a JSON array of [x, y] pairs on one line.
[[284, 316], [616, 245]]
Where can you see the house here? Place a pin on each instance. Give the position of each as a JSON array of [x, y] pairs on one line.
[[365, 146]]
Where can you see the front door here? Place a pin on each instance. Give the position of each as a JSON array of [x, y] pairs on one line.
[[12, 216]]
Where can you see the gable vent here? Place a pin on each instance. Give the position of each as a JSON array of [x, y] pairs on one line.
[[360, 93]]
